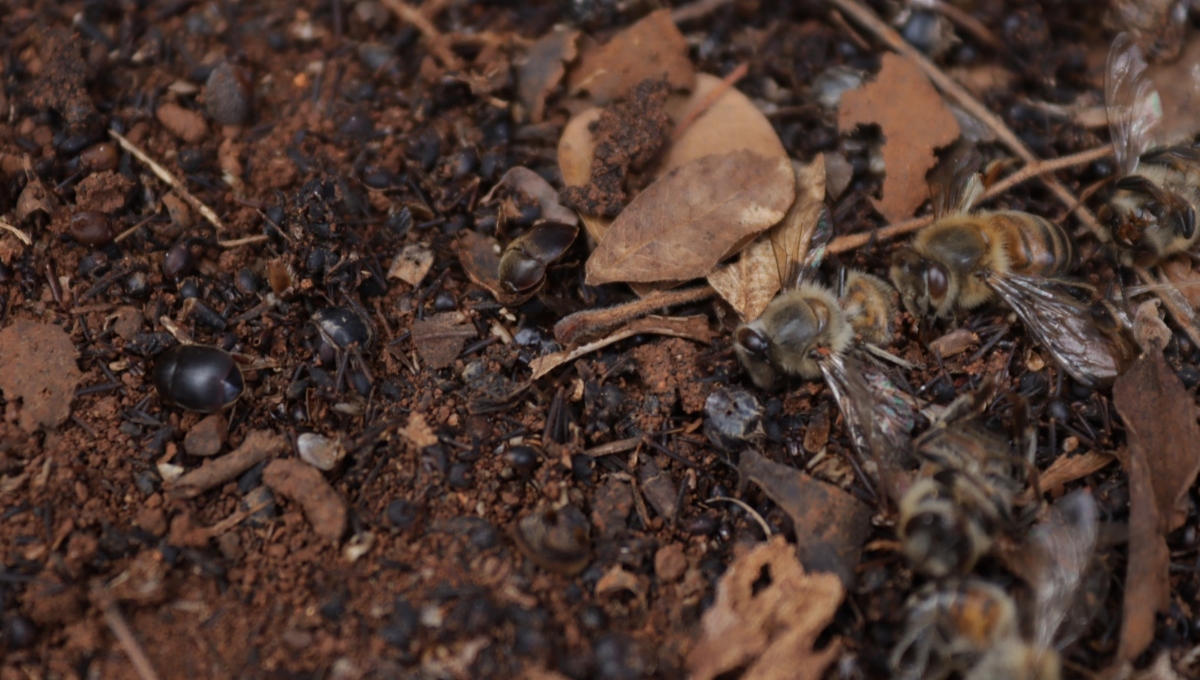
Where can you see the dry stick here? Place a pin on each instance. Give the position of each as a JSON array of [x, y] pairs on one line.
[[165, 175], [697, 111], [697, 10], [572, 328], [248, 240], [968, 23], [1178, 308], [116, 623], [852, 241], [867, 18], [437, 43]]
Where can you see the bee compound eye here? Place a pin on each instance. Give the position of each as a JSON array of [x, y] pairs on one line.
[[1187, 223], [936, 282], [752, 341]]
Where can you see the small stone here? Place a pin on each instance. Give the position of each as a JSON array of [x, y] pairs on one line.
[[152, 520], [206, 437], [127, 322], [320, 451], [184, 124], [227, 95], [670, 562]]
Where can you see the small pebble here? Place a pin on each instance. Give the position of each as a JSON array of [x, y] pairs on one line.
[[670, 562], [91, 228], [206, 437], [320, 451], [184, 124], [227, 95]]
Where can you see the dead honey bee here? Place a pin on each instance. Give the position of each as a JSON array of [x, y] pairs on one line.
[[809, 331], [971, 628], [964, 494], [1152, 210], [965, 258]]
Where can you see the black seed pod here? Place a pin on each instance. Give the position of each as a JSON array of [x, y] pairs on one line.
[[342, 327], [198, 377]]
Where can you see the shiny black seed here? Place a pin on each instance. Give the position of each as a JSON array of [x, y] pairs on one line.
[[198, 378]]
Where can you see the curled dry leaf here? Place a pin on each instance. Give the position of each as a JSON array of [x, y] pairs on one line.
[[831, 525], [535, 186], [690, 327], [914, 121], [750, 282], [653, 48], [411, 264], [576, 148], [1162, 461], [697, 215], [768, 632], [542, 69]]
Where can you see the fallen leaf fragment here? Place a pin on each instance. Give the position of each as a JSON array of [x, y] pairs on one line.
[[37, 368], [479, 256], [956, 341], [411, 264], [576, 149], [681, 226], [1160, 422], [1066, 469], [440, 338], [528, 182], [690, 327], [831, 525], [304, 484], [730, 123], [542, 69], [1179, 271], [1162, 461], [651, 48], [914, 121], [768, 632], [750, 282]]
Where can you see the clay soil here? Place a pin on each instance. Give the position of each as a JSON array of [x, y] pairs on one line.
[[338, 136]]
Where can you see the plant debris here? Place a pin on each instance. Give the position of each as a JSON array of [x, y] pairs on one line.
[[543, 67], [37, 368], [766, 618], [914, 121], [652, 48]]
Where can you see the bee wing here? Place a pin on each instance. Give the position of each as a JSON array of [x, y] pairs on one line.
[[1061, 548], [800, 246], [877, 414], [1131, 102], [955, 184], [1065, 327]]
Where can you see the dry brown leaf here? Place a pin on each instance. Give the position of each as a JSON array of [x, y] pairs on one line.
[[690, 327], [653, 48], [479, 256], [749, 283], [1066, 469], [914, 121], [768, 632], [831, 525], [681, 226], [440, 338], [528, 182], [576, 148], [1161, 428], [542, 69], [729, 123], [1179, 271], [1162, 461]]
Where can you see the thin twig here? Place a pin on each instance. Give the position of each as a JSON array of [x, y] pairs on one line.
[[21, 236], [868, 20], [762, 523], [248, 240], [592, 321], [120, 629], [698, 110], [852, 241], [165, 175], [968, 23], [697, 10], [437, 43]]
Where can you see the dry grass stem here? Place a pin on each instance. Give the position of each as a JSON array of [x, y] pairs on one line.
[[21, 236], [437, 42], [169, 179], [120, 629], [593, 321]]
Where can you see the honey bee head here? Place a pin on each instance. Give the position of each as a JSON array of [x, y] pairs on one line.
[[926, 286], [784, 341], [936, 537]]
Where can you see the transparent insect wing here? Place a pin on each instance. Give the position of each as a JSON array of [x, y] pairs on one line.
[[955, 185], [799, 251], [877, 413], [1132, 104], [1062, 547], [1066, 328]]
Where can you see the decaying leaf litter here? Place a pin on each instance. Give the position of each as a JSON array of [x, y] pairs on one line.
[[502, 504]]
